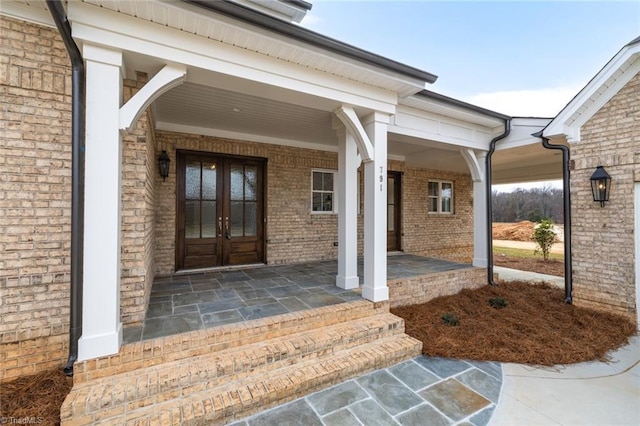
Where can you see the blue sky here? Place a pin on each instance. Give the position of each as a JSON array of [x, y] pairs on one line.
[[518, 58]]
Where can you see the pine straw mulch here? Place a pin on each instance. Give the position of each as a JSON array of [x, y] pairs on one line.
[[550, 267], [36, 398], [536, 327]]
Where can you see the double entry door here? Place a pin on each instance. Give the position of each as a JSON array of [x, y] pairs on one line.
[[220, 210]]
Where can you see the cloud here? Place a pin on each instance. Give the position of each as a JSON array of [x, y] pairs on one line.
[[526, 103], [311, 21]]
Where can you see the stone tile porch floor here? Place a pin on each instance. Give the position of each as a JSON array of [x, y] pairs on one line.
[[187, 302], [421, 391]]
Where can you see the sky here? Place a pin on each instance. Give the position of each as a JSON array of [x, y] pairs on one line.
[[520, 58]]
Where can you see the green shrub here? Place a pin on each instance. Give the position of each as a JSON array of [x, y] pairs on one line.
[[498, 302], [450, 319], [544, 237]]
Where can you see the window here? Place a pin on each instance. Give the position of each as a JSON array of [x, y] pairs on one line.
[[440, 197], [323, 191]]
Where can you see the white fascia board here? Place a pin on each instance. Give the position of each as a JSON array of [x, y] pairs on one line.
[[435, 127], [521, 133], [226, 134], [21, 11], [611, 79], [96, 25], [458, 113]]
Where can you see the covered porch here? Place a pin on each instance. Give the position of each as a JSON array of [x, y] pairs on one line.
[[198, 300]]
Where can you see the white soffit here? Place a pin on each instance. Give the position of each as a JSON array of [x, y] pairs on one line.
[[35, 11], [201, 22], [611, 79]]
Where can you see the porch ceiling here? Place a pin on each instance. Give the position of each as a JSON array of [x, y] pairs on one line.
[[215, 111], [208, 108], [527, 163]]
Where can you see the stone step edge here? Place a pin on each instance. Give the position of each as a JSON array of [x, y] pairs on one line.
[[145, 386], [245, 397], [186, 345]]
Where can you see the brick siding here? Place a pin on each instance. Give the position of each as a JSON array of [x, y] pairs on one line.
[[35, 198], [294, 234], [603, 238]]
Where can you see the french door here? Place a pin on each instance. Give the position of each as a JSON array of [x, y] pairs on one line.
[[220, 211]]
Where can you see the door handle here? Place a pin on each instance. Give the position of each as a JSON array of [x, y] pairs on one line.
[[227, 234], [220, 226]]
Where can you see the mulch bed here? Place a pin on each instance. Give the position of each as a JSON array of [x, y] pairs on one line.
[[536, 327], [35, 399], [549, 267]]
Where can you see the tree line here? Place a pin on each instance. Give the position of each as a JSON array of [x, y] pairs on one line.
[[528, 204]]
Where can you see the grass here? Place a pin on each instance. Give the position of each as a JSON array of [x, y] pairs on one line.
[[523, 253]]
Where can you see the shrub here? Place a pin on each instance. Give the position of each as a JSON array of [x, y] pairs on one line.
[[450, 319], [498, 302], [544, 237]]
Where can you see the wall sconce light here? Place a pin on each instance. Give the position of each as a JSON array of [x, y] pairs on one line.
[[163, 162], [600, 185]]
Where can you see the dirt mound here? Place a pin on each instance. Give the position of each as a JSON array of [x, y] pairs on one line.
[[520, 231]]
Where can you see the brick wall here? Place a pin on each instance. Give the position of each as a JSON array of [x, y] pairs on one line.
[[138, 197], [296, 235], [35, 202], [603, 238], [416, 290], [35, 198], [445, 236]]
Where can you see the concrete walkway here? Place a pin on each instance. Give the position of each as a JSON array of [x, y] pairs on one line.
[[506, 274], [590, 393]]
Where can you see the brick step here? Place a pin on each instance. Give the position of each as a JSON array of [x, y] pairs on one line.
[[161, 350], [243, 397], [151, 385]]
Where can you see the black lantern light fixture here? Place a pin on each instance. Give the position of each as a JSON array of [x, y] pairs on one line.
[[600, 185], [163, 162]]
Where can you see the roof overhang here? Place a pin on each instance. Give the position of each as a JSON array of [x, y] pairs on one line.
[[290, 10], [613, 77]]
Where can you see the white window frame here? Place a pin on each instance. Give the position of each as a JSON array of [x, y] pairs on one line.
[[334, 192], [439, 196]]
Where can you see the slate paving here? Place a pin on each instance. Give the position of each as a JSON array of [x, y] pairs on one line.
[[421, 391], [187, 302]]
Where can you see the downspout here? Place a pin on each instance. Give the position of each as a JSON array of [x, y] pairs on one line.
[[492, 148], [568, 276], [77, 178]]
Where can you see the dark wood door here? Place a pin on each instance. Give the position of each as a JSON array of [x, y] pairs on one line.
[[394, 224], [220, 218]]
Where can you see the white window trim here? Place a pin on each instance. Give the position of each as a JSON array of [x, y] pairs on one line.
[[440, 182], [335, 192]]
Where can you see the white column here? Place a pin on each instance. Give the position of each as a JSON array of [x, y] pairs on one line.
[[375, 211], [480, 232], [101, 326], [347, 277]]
